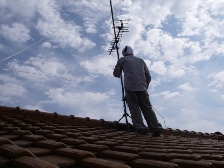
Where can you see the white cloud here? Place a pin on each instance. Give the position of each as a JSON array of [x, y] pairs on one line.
[[186, 87], [95, 105], [17, 32], [62, 97], [90, 25], [195, 120], [66, 34], [168, 94], [100, 65], [14, 90], [97, 9], [148, 10], [158, 67], [171, 47], [171, 95], [175, 71], [10, 89], [25, 9], [40, 68], [46, 45], [213, 90], [218, 79], [220, 76], [206, 54]]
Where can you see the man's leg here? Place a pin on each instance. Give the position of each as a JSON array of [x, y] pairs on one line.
[[136, 116], [149, 114]]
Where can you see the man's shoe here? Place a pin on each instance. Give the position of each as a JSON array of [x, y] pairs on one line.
[[156, 133]]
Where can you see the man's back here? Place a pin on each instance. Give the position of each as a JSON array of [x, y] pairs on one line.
[[135, 72]]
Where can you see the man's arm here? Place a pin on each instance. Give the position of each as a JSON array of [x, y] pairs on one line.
[[147, 75], [117, 70]]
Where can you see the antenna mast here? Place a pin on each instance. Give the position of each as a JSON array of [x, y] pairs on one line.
[[114, 46]]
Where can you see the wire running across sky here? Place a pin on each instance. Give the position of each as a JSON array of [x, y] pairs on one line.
[[55, 76], [45, 37]]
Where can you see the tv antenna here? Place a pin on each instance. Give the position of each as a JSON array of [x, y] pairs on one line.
[[118, 30]]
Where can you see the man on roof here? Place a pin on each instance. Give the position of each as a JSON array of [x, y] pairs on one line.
[[136, 83]]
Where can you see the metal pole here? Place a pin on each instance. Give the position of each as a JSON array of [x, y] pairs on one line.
[[122, 86]]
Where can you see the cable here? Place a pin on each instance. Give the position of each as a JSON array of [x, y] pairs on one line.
[[37, 73], [78, 15], [22, 50], [38, 40], [160, 116]]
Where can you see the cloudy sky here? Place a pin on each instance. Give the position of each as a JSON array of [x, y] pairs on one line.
[[53, 57]]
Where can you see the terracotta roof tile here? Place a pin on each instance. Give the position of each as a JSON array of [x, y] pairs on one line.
[[33, 138], [59, 161], [43, 132], [192, 163], [116, 140], [100, 137], [60, 130], [156, 156], [50, 139], [94, 162], [47, 127], [32, 128], [127, 149], [38, 151], [20, 132], [23, 143], [5, 141], [14, 151], [4, 125], [218, 164], [73, 130], [92, 147], [30, 162], [9, 128], [50, 144], [212, 157], [119, 155], [58, 137], [73, 153], [4, 161], [143, 163], [11, 137], [72, 134], [107, 143], [3, 132], [88, 139], [72, 141], [186, 156], [22, 125]]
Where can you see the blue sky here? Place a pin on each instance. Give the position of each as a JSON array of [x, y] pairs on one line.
[[53, 57]]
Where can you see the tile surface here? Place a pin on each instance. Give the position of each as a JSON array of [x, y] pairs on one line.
[[49, 140]]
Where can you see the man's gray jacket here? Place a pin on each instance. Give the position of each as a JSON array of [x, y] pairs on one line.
[[136, 73]]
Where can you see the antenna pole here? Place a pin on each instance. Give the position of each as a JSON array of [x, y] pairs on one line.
[[115, 46]]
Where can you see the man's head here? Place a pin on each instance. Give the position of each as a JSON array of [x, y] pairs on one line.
[[127, 51]]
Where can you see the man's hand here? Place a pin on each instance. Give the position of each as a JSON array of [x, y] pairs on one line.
[[117, 73]]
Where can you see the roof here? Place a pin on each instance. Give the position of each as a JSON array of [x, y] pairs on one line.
[[34, 139]]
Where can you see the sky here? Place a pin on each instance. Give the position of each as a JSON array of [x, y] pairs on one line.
[[53, 57]]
